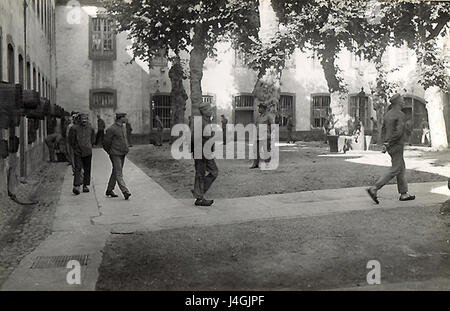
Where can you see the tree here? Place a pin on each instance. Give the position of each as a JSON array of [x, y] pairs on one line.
[[191, 26], [419, 25]]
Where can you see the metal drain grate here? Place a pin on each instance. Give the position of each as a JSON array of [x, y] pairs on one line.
[[46, 262]]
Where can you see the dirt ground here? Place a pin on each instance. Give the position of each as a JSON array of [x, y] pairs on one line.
[[25, 227], [300, 169], [316, 253]]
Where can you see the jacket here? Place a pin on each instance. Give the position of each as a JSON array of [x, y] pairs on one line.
[[115, 142], [81, 139], [393, 129]]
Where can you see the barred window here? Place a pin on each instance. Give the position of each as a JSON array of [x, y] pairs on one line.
[[244, 101], [320, 108], [359, 109], [285, 109], [161, 107], [102, 41], [103, 98]]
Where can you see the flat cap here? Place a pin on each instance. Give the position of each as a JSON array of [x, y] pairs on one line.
[[395, 98], [120, 114]]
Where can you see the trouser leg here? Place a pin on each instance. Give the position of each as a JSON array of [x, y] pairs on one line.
[[397, 170], [51, 152], [78, 167], [118, 163], [213, 172], [87, 163], [112, 179], [199, 184], [399, 162]]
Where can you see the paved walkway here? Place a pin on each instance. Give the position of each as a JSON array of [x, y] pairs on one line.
[[83, 223]]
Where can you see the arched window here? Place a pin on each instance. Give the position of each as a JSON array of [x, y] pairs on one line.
[[21, 70], [28, 76], [359, 108], [415, 110], [34, 79], [11, 67], [39, 83]]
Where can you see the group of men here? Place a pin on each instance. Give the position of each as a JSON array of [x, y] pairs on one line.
[[81, 138], [393, 134]]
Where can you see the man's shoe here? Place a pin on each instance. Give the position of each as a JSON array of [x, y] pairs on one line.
[[86, 189], [76, 190], [373, 195], [203, 202], [111, 194], [127, 195], [407, 197]]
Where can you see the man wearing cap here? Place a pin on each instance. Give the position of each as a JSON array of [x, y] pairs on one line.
[[206, 170], [263, 139], [116, 145], [100, 131], [81, 139], [392, 133]]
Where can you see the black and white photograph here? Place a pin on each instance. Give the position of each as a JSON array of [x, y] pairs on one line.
[[224, 146]]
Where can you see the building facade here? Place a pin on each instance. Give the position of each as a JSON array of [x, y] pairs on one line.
[[28, 58]]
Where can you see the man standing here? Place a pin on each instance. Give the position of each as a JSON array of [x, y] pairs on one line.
[[159, 130], [289, 127], [374, 130], [52, 141], [81, 139], [392, 132], [129, 129], [116, 145], [425, 133], [206, 170], [224, 122], [100, 131], [263, 140]]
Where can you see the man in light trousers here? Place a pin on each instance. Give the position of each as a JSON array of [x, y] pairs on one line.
[[116, 145]]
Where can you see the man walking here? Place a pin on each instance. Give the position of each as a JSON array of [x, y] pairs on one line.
[[69, 151], [392, 132], [159, 130], [263, 140], [52, 141], [129, 129], [116, 145], [206, 170], [100, 131], [224, 122], [81, 139]]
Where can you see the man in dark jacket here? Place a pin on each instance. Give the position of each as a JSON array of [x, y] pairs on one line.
[[393, 132], [81, 139], [100, 131], [206, 170], [53, 141], [116, 145]]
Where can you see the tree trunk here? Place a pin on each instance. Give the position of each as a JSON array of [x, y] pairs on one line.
[[436, 121], [268, 87], [178, 94], [196, 62], [338, 92]]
